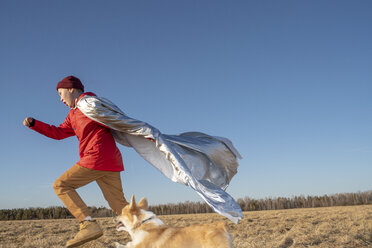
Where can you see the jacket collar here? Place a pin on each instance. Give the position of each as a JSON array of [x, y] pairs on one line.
[[82, 95], [85, 94]]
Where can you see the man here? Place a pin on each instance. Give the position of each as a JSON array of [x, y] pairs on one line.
[[100, 161]]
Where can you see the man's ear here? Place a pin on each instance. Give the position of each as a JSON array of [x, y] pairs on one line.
[[143, 204]]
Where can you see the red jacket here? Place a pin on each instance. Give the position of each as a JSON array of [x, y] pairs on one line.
[[97, 147]]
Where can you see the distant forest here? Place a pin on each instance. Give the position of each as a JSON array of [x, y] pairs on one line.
[[247, 204]]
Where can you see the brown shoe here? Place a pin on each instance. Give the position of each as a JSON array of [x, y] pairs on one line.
[[89, 230]]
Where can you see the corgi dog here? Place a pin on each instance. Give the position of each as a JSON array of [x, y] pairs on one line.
[[148, 231]]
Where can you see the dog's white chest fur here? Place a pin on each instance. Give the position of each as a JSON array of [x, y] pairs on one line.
[[138, 237]]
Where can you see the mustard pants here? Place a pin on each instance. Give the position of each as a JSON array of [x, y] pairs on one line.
[[77, 176]]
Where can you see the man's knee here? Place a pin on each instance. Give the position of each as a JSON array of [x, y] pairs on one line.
[[59, 186]]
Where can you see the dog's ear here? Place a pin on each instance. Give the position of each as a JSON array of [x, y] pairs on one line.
[[132, 205], [143, 204]]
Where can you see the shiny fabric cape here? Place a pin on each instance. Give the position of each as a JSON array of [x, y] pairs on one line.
[[205, 163]]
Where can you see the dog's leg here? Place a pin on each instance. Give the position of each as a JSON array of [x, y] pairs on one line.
[[118, 245], [128, 245]]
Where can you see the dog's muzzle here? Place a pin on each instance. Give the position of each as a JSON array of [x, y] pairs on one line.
[[119, 224]]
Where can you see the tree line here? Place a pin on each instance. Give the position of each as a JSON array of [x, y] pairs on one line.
[[247, 204], [344, 199]]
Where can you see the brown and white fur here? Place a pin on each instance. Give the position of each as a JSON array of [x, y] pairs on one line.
[[148, 231]]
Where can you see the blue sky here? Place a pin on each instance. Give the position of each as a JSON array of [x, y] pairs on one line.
[[289, 82]]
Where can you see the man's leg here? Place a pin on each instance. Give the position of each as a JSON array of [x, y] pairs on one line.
[[112, 190], [65, 187]]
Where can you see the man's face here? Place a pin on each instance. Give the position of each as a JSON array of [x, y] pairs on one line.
[[67, 97]]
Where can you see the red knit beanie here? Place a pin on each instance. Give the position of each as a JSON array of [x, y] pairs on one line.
[[70, 82]]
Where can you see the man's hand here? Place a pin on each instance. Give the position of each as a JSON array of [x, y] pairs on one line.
[[29, 122]]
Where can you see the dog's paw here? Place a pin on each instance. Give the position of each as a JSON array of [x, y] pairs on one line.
[[118, 245]]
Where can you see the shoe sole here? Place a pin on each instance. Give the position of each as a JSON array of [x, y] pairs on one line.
[[81, 242]]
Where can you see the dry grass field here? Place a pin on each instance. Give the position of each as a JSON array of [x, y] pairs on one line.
[[312, 227]]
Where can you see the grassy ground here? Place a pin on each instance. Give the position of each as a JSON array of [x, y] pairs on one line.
[[313, 227]]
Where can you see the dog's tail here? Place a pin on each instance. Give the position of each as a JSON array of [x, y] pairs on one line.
[[222, 226], [221, 236]]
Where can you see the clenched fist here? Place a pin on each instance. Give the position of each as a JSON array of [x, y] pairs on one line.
[[29, 122]]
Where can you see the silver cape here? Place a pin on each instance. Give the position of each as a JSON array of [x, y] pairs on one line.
[[205, 163]]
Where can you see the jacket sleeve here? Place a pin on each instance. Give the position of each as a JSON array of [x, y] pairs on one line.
[[63, 131]]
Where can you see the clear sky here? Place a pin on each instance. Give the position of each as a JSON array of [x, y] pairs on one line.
[[288, 82]]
